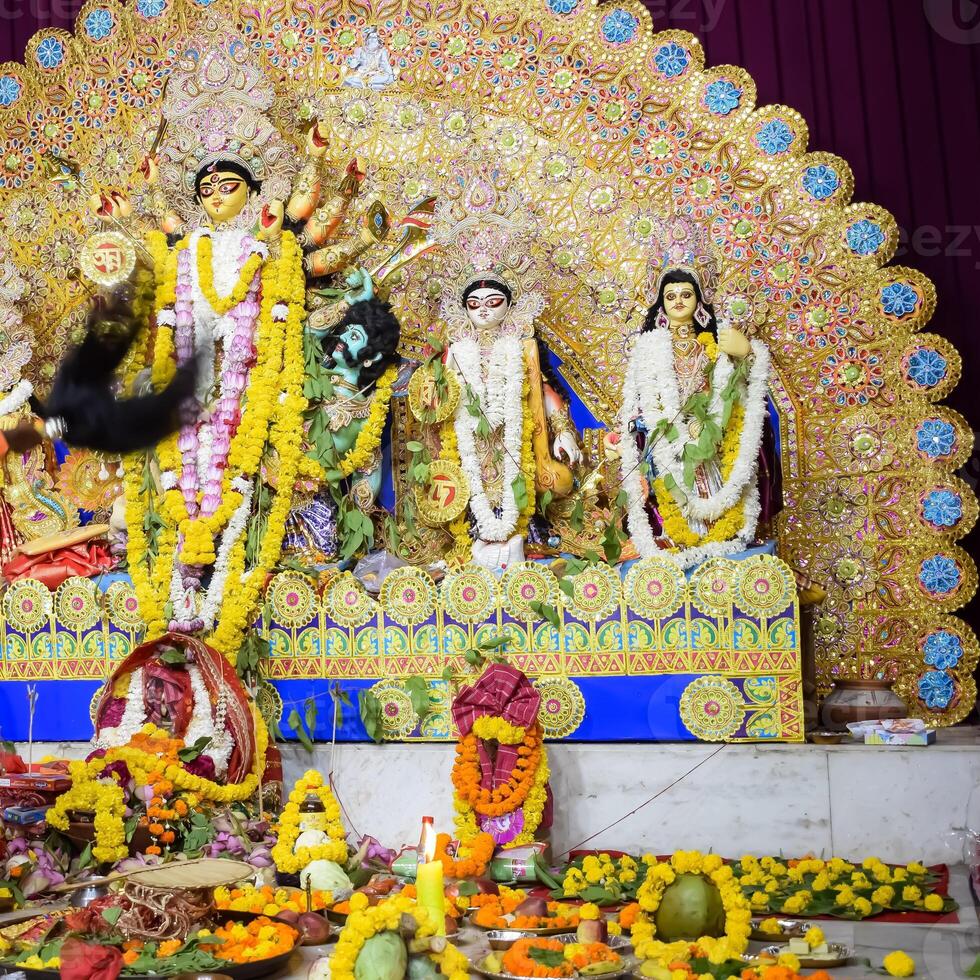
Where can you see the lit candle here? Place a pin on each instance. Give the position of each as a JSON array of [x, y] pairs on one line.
[[428, 883]]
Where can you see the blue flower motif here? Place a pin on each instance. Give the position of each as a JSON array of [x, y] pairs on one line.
[[865, 237], [939, 574], [821, 182], [722, 97], [935, 437], [671, 60], [9, 90], [151, 8], [50, 53], [936, 688], [99, 24], [899, 299], [619, 26], [942, 508], [775, 137], [927, 367], [562, 6], [943, 649]]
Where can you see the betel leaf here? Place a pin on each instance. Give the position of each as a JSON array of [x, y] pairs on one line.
[[467, 888], [546, 957], [173, 656], [190, 752], [370, 710], [611, 544], [577, 517], [544, 502], [519, 489], [415, 447]]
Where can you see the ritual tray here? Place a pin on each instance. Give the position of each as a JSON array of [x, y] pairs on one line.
[[789, 929], [838, 956], [239, 971], [500, 939], [628, 966], [524, 933]]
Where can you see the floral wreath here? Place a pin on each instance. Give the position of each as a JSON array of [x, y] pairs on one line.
[[660, 875], [285, 859], [365, 921]]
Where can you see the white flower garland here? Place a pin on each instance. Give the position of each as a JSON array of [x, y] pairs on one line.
[[133, 719], [234, 529], [499, 393], [651, 391], [206, 723], [16, 398]]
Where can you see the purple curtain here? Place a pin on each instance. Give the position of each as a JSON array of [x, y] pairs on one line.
[[890, 86]]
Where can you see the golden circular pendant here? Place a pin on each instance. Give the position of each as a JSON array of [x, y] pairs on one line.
[[427, 403], [108, 258], [445, 496]]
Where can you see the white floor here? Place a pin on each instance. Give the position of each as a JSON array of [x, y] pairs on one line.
[[899, 804]]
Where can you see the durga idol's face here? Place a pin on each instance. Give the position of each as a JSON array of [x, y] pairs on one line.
[[680, 302], [486, 307], [223, 195]]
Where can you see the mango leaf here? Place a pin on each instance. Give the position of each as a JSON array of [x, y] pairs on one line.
[[973, 971], [493, 643], [519, 489], [544, 502], [418, 690], [415, 447], [370, 710], [547, 612], [567, 586], [311, 715], [173, 656], [611, 545], [577, 517], [295, 723], [190, 752]]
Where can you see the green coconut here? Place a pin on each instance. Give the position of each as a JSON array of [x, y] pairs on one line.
[[382, 957], [691, 907]]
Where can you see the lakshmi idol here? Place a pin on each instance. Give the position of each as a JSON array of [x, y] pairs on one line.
[[692, 418], [509, 429]]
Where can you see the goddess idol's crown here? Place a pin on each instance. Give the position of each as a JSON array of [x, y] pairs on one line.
[[215, 108], [681, 245]]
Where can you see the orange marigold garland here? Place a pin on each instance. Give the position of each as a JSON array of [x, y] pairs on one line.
[[471, 859], [509, 803]]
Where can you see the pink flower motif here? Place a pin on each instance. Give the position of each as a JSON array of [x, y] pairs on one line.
[[590, 591]]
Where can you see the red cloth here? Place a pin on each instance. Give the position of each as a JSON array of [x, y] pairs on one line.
[[52, 568], [86, 961], [172, 687], [502, 692]]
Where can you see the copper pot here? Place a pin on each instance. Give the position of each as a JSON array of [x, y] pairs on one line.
[[854, 700]]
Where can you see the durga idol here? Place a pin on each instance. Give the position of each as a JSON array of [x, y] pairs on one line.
[[206, 517], [692, 418]]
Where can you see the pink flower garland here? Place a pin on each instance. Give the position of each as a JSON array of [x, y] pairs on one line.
[[237, 360]]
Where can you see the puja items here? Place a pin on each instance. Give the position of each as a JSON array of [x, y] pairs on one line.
[[514, 909], [541, 957]]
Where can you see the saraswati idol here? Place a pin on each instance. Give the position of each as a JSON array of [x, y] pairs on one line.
[[693, 415], [207, 514]]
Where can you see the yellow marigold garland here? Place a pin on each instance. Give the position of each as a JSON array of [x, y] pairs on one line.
[[659, 876], [205, 274], [730, 523], [105, 799], [366, 921], [368, 439], [292, 863]]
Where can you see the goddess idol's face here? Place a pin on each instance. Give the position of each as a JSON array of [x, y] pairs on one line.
[[680, 302], [223, 196], [486, 307]]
